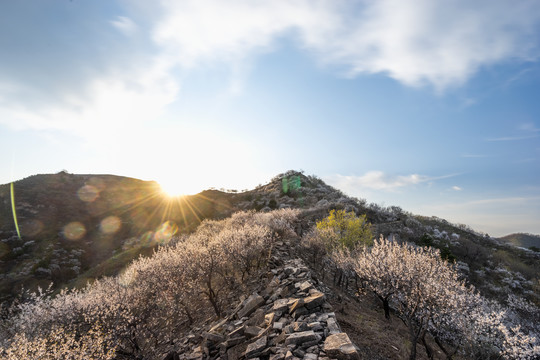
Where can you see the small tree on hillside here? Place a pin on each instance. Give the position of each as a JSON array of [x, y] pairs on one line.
[[350, 230]]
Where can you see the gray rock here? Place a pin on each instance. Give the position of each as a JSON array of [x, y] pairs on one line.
[[302, 337], [235, 341], [298, 303], [299, 326], [252, 331], [257, 318], [315, 300], [252, 303], [332, 326], [278, 356], [280, 305], [213, 337], [339, 346], [303, 286], [299, 353], [256, 347]]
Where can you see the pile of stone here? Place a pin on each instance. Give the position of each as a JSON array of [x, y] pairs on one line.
[[289, 320]]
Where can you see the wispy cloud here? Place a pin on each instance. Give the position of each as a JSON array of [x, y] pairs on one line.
[[529, 127], [378, 180], [456, 188], [512, 138], [474, 156], [526, 131], [125, 25]]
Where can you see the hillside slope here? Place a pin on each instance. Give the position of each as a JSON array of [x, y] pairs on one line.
[[77, 228], [72, 224], [523, 240]]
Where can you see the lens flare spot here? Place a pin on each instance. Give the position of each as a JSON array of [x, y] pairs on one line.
[[165, 232], [97, 183], [110, 225], [88, 193], [146, 238], [74, 230], [31, 227]]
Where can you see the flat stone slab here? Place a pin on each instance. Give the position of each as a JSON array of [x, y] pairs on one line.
[[303, 286], [315, 300], [281, 305], [252, 303], [339, 346], [256, 347], [302, 337], [213, 337]]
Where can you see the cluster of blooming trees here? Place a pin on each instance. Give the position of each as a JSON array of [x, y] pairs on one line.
[[143, 311], [428, 294]]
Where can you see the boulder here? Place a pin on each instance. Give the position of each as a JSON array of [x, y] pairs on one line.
[[339, 346]]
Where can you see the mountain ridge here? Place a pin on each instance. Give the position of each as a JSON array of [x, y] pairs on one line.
[[123, 218]]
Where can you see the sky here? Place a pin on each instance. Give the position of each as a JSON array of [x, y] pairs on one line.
[[430, 106]]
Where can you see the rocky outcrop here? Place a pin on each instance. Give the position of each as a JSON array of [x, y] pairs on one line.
[[290, 319]]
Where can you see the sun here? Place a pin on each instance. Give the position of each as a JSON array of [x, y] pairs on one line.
[[173, 188]]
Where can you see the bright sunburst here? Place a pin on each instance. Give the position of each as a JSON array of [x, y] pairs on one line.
[[173, 188]]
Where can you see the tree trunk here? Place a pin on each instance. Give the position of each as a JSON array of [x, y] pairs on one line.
[[413, 337], [449, 354], [213, 299], [386, 307], [429, 350]]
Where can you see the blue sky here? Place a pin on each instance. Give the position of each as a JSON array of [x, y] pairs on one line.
[[431, 106]]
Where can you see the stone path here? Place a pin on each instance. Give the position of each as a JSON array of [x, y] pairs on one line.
[[289, 320]]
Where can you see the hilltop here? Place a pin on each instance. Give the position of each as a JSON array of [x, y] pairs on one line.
[[528, 241], [75, 228], [298, 297]]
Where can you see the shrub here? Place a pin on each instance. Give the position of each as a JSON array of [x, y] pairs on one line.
[[348, 230]]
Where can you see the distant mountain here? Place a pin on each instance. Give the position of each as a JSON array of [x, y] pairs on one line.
[[522, 240]]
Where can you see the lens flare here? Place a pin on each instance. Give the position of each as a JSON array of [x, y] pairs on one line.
[[12, 190], [74, 230], [165, 232], [146, 238], [110, 225], [88, 193]]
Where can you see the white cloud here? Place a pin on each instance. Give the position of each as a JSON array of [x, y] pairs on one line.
[[125, 25], [456, 188], [416, 42], [378, 180], [111, 107]]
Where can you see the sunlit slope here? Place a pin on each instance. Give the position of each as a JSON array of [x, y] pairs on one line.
[[71, 223]]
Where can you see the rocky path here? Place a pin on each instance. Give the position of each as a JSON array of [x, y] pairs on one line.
[[287, 319]]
